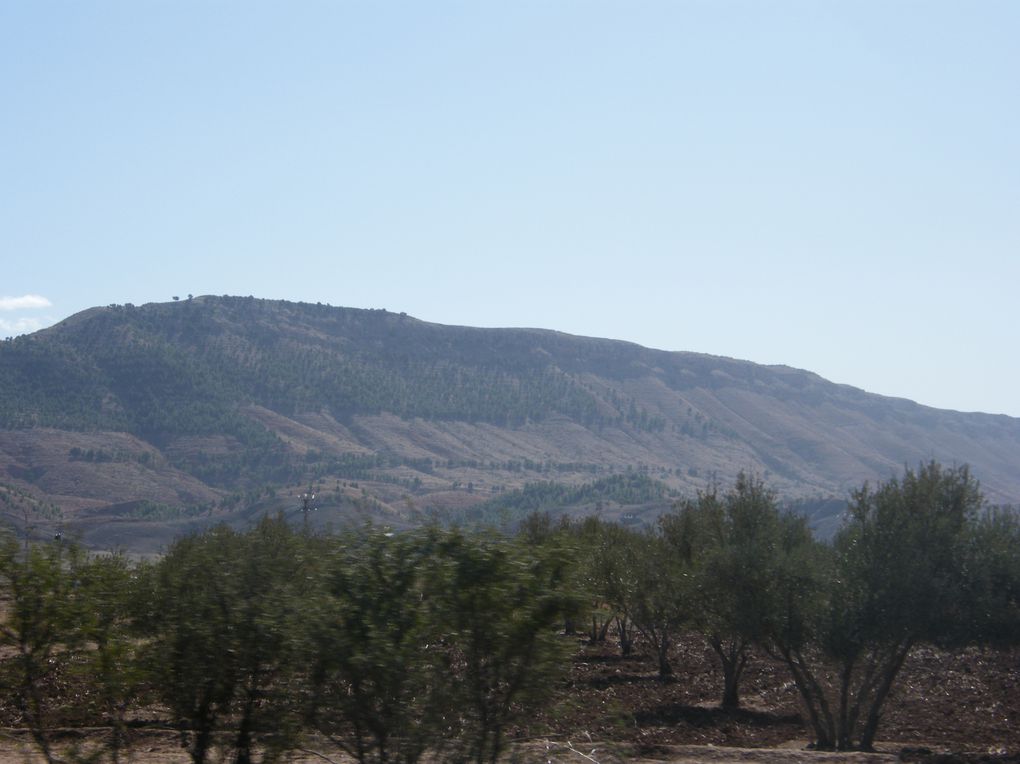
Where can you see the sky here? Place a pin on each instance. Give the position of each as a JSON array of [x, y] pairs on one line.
[[833, 186]]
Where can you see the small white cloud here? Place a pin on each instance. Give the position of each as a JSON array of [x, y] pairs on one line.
[[24, 302], [21, 326]]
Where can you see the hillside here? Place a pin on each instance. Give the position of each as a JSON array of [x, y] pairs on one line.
[[178, 412]]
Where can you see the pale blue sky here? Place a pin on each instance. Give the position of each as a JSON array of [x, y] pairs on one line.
[[830, 185]]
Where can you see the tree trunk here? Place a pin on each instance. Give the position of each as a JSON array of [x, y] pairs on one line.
[[875, 712], [244, 741], [203, 722], [118, 727], [814, 699], [733, 658], [846, 722], [199, 747], [626, 635], [665, 669], [731, 687], [33, 707]]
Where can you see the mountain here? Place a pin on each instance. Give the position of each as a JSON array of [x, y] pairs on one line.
[[165, 415]]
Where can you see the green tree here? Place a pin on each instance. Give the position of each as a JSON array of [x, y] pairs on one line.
[[596, 571], [991, 603], [272, 575], [897, 578], [432, 641], [107, 591], [42, 618], [736, 544], [222, 635], [500, 603], [379, 680], [192, 614], [646, 575]]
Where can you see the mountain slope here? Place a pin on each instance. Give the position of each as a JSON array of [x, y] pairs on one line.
[[191, 402]]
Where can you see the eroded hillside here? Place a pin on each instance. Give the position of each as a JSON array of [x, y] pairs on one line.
[[187, 407]]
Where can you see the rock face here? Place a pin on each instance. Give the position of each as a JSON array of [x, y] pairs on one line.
[[183, 404]]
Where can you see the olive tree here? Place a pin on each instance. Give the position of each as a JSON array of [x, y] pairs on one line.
[[737, 542], [991, 604], [221, 632], [599, 575], [42, 618], [432, 642], [272, 574], [108, 594], [500, 603], [648, 579], [378, 677], [896, 578]]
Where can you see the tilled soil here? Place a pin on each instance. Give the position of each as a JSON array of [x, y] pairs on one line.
[[962, 702], [946, 708]]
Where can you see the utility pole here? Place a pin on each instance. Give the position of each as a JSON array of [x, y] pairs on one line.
[[306, 506], [28, 529]]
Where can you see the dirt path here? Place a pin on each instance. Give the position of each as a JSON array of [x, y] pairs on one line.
[[163, 747]]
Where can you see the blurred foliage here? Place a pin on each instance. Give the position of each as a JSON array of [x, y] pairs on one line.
[[437, 642]]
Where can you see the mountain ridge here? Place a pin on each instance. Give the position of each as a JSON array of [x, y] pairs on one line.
[[189, 403]]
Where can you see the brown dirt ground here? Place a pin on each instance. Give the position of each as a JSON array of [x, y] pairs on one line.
[[613, 709], [968, 700]]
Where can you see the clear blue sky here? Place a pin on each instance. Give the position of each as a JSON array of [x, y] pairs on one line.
[[829, 185]]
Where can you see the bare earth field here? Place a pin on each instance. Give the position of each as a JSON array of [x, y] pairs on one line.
[[162, 747], [946, 708]]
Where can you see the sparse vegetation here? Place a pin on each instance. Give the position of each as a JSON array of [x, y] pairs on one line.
[[625, 489]]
